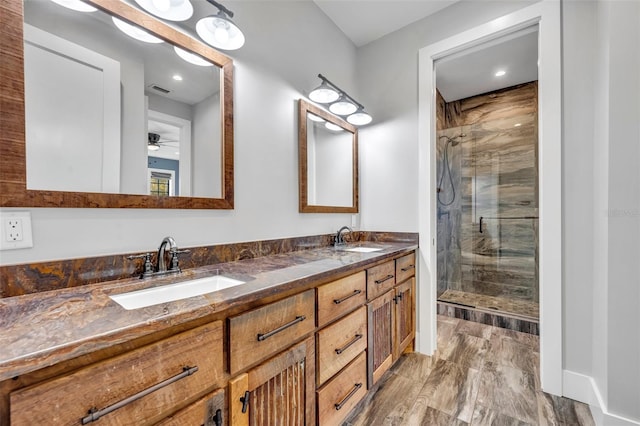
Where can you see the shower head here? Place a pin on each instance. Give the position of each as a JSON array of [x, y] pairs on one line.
[[453, 140]]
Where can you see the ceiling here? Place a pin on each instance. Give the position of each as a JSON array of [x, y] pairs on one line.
[[458, 76], [364, 21]]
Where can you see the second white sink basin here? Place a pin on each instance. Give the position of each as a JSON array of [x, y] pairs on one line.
[[363, 249], [171, 292]]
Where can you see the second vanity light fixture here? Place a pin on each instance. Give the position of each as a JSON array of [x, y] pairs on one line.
[[340, 103], [216, 30]]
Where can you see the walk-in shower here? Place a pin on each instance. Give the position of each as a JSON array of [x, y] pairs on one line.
[[487, 217]]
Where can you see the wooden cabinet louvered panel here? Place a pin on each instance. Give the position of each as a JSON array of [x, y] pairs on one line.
[[279, 392], [380, 336]]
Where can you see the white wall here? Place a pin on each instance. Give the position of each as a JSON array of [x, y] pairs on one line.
[[205, 157], [288, 44]]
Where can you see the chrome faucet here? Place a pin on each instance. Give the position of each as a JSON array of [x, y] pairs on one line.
[[173, 248], [339, 238]]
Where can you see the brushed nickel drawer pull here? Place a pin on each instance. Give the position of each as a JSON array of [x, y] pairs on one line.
[[344, 348], [408, 268], [265, 336], [381, 280], [95, 414], [346, 398], [342, 299]]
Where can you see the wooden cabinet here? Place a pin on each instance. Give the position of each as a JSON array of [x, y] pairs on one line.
[[137, 388], [380, 313], [278, 392], [340, 342], [405, 316], [207, 411], [341, 296], [391, 316], [265, 331], [341, 394], [380, 279]]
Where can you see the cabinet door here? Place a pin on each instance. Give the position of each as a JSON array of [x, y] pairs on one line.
[[404, 316], [380, 332], [207, 411], [279, 392]]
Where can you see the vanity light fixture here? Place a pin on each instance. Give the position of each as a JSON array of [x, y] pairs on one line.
[[340, 102], [77, 5], [219, 31], [171, 10], [333, 127], [135, 32], [315, 118], [192, 58]]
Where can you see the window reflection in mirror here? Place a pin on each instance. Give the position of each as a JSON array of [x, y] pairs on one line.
[[93, 95], [328, 162]]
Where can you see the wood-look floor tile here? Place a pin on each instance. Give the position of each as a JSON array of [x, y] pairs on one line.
[[434, 417], [483, 416], [558, 411], [447, 319], [476, 329], [414, 366], [385, 406], [509, 352], [510, 391], [450, 388], [445, 333], [466, 350], [530, 340]]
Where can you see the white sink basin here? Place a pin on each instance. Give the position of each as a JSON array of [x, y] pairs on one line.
[[363, 249], [171, 292]]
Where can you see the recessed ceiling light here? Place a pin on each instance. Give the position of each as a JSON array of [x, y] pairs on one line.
[[517, 125], [500, 73], [177, 77]]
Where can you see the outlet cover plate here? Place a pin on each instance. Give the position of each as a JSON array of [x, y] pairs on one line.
[[27, 236]]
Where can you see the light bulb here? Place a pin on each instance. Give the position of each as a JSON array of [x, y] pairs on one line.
[[221, 34]]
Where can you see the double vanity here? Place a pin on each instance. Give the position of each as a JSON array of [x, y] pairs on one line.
[[289, 338]]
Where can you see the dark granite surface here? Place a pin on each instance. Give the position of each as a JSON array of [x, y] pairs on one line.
[[45, 328]]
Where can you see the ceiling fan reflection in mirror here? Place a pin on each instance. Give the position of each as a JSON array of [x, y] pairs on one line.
[[163, 146]]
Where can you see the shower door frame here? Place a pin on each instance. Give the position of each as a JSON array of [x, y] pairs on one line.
[[546, 15]]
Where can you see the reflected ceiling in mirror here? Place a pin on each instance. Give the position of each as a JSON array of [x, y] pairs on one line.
[[328, 162], [94, 94]]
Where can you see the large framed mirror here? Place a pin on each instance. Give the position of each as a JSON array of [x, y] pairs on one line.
[[327, 161], [92, 117]]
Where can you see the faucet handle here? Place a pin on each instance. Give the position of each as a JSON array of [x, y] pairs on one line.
[[175, 263], [148, 265]]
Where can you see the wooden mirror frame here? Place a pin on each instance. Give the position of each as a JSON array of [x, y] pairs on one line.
[[305, 207], [13, 173]]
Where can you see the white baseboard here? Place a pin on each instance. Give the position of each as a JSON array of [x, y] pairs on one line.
[[584, 389]]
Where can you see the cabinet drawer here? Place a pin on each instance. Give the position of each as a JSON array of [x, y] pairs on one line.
[[340, 395], [207, 411], [405, 267], [339, 343], [103, 386], [380, 279], [339, 297], [265, 331]]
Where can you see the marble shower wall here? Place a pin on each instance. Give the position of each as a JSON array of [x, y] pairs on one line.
[[494, 173]]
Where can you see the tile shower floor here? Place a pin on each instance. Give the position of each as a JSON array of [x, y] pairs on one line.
[[480, 375], [494, 304]]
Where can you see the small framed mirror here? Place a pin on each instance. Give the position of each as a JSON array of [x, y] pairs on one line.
[[327, 162]]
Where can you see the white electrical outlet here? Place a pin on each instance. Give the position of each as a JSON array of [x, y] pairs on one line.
[[15, 230]]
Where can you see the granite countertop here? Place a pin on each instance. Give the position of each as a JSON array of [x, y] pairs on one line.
[[42, 329]]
